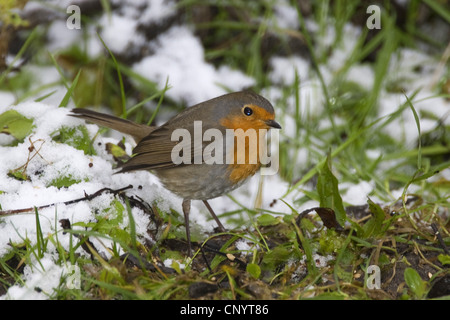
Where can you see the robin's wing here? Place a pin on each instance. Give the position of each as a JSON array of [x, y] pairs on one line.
[[152, 152], [158, 151]]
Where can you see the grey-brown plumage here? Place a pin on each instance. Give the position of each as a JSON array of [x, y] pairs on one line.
[[136, 130]]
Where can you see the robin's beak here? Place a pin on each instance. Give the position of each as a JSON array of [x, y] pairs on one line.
[[273, 124]]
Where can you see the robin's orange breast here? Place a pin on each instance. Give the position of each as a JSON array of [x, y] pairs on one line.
[[249, 134]]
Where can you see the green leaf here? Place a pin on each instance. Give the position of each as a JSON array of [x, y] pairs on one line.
[[18, 174], [327, 188], [171, 254], [254, 270], [276, 257], [373, 226], [64, 182], [415, 282], [219, 258], [176, 266], [330, 242], [267, 220], [444, 259], [117, 152], [14, 123]]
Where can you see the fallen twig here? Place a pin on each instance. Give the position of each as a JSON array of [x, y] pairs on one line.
[[86, 197], [86, 244]]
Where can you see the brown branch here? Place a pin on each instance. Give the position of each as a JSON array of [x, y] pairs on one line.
[[86, 197], [85, 243]]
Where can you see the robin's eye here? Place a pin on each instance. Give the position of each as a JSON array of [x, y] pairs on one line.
[[248, 111]]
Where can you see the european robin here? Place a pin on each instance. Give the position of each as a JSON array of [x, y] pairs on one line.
[[198, 179]]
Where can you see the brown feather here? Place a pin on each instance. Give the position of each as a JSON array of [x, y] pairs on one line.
[[137, 131]]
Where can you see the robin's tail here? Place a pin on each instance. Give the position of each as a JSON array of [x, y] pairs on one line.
[[137, 131]]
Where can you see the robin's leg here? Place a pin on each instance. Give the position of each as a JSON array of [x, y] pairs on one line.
[[221, 227], [186, 211]]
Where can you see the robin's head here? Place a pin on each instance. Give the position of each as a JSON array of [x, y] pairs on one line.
[[247, 110]]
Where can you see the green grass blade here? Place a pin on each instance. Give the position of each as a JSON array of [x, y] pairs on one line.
[[439, 9], [69, 93], [119, 75], [22, 50], [419, 140], [61, 73], [163, 92], [40, 243]]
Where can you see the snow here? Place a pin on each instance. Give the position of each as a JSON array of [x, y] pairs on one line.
[[42, 278], [177, 55], [365, 81], [61, 36], [6, 99], [114, 25], [145, 11], [357, 194], [285, 15], [55, 160], [157, 11], [284, 69]]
